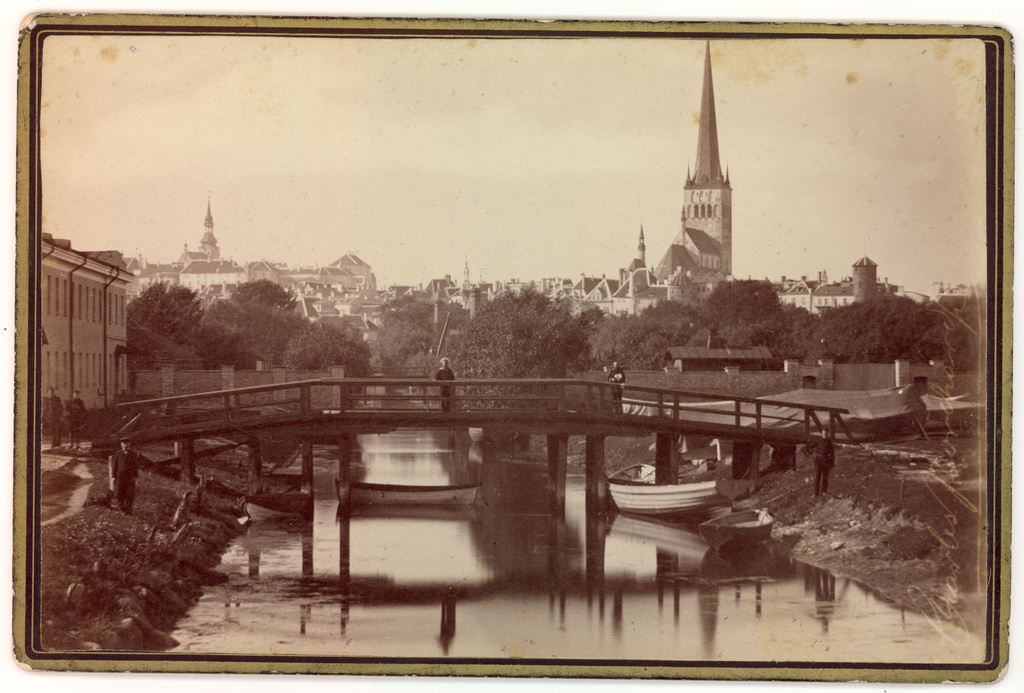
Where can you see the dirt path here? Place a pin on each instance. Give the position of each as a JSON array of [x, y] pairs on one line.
[[64, 485]]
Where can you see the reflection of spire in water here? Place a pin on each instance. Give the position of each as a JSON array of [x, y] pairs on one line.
[[305, 614], [447, 634], [617, 613]]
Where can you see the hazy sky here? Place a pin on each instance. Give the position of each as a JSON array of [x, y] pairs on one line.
[[531, 158]]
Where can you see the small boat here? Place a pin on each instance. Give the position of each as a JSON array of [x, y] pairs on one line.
[[362, 493], [273, 506], [741, 527], [633, 490]]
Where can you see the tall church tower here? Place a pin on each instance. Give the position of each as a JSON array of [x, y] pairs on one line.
[[707, 195], [209, 243]]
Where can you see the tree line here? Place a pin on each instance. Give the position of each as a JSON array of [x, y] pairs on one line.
[[258, 323], [529, 335]]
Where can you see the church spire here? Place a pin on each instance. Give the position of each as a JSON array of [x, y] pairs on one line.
[[709, 166], [209, 243], [642, 248]]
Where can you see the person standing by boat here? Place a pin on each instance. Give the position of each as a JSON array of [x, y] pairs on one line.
[[76, 417], [124, 469], [824, 459], [445, 373], [618, 378], [53, 412]]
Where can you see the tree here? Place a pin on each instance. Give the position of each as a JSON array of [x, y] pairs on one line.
[[169, 310], [246, 332], [319, 346], [265, 293], [743, 313], [521, 336], [640, 342], [407, 332], [880, 331]]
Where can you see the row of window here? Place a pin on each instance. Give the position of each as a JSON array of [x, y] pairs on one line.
[[88, 374], [701, 211], [86, 302]]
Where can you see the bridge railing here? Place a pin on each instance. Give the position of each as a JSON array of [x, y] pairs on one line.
[[477, 396]]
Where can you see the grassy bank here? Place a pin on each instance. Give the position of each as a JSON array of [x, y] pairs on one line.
[[120, 582]]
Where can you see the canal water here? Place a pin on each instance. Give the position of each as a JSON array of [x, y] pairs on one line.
[[511, 577]]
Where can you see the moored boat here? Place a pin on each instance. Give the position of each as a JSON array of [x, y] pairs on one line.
[[273, 506], [363, 493], [633, 491], [741, 527]]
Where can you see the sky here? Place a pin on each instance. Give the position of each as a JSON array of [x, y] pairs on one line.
[[522, 159]]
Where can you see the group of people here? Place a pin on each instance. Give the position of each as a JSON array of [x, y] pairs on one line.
[[57, 416]]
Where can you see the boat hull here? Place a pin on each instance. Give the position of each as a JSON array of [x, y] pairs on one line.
[[364, 494], [665, 499], [742, 527], [276, 506]]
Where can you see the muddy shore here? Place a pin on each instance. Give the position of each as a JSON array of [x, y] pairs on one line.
[[903, 520]]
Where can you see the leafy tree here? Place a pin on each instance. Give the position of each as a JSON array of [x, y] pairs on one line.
[[743, 313], [521, 336], [408, 334], [319, 346], [881, 330], [247, 332], [265, 293], [640, 342], [169, 310]]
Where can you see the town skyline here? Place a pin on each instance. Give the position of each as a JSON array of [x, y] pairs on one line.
[[419, 157]]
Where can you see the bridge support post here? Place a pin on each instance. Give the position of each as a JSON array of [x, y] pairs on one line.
[[341, 479], [597, 485], [307, 466], [666, 459], [255, 466], [746, 461], [784, 457], [185, 450], [558, 454]]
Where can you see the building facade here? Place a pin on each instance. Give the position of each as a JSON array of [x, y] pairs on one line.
[[83, 297]]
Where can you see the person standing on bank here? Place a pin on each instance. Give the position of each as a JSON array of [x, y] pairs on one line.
[[617, 377], [124, 469], [53, 412], [445, 372], [824, 459], [76, 417]]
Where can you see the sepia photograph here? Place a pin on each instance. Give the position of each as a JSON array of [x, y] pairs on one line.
[[506, 348]]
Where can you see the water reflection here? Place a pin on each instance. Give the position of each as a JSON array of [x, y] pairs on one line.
[[511, 576]]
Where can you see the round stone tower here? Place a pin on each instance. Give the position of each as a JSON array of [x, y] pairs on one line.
[[865, 279]]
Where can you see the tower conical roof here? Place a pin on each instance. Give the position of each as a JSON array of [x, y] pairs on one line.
[[709, 166]]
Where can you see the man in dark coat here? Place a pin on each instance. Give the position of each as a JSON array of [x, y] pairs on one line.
[[124, 468], [76, 417], [53, 412], [445, 372], [617, 377], [824, 453]]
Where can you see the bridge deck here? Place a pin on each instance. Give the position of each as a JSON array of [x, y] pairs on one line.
[[320, 410]]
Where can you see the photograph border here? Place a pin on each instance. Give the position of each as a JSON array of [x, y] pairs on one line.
[[999, 91]]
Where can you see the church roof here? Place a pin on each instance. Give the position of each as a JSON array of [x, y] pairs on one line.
[[676, 256], [705, 244]]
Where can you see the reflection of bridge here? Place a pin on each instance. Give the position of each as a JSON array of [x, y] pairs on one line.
[[333, 411]]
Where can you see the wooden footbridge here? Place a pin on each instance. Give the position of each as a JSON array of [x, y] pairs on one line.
[[332, 411]]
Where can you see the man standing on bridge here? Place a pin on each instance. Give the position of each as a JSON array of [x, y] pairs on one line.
[[445, 372], [618, 378]]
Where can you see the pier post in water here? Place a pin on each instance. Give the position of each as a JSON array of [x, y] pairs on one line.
[[597, 485], [558, 454], [666, 459], [255, 465], [746, 461], [307, 466], [341, 478]]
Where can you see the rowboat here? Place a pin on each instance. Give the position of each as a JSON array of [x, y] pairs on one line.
[[740, 527], [273, 506], [633, 491], [362, 493]]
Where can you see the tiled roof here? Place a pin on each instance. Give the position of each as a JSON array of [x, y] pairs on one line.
[[687, 353], [676, 256], [212, 267], [704, 243]]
